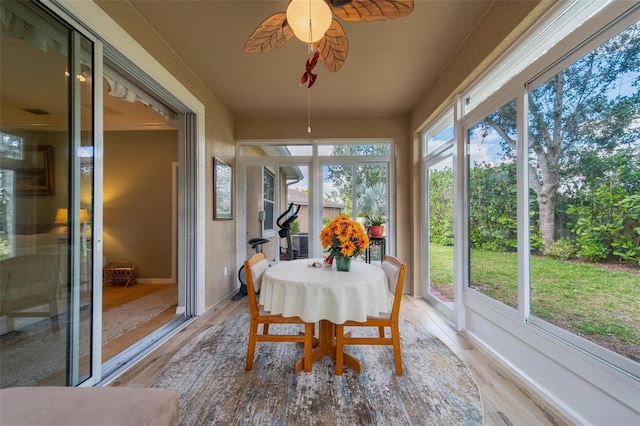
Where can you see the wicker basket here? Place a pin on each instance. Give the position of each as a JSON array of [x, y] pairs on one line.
[[119, 273]]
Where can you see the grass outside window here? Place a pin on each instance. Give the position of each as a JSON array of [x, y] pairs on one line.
[[596, 301]]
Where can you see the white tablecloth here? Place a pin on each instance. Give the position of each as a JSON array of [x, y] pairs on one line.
[[313, 294]]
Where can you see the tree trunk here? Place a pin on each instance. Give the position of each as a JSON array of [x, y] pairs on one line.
[[547, 206], [548, 151]]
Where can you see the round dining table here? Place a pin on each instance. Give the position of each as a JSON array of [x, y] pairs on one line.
[[317, 294]]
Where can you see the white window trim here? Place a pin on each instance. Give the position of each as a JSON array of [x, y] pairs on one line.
[[269, 233], [558, 23]]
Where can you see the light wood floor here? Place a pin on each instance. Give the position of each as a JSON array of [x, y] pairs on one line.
[[505, 402], [114, 296]]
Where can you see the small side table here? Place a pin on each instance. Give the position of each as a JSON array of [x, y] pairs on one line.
[[381, 243], [118, 273]]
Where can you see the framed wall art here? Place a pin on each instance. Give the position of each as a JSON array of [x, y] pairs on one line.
[[222, 190], [35, 175]]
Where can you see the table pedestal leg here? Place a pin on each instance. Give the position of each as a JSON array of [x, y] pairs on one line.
[[327, 347]]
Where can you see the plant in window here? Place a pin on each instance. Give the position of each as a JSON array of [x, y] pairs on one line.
[[375, 220]]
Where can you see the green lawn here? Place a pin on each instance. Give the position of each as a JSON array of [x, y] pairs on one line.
[[590, 300]]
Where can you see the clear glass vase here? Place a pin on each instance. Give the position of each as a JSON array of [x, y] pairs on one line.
[[343, 263]]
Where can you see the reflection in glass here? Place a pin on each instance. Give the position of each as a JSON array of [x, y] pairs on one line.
[[46, 203], [34, 304]]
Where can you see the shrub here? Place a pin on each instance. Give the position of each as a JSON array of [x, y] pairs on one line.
[[5, 248], [561, 249]]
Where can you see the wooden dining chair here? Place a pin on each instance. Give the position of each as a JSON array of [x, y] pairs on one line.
[[255, 268], [395, 271]]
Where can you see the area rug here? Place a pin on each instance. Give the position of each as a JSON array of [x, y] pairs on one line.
[[117, 321], [46, 353], [214, 388]]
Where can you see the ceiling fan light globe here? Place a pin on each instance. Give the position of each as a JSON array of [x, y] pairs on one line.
[[298, 13]]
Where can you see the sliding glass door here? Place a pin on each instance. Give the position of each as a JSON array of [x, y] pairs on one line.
[[46, 200], [304, 185], [438, 223], [439, 239]]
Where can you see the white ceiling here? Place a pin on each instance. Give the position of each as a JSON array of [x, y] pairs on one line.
[[390, 63]]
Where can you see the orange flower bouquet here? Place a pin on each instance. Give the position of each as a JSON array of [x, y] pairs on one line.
[[344, 237]]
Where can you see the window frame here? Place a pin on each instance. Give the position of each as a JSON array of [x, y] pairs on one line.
[[612, 19], [266, 231]]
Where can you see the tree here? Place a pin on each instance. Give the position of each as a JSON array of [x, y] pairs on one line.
[[368, 176], [591, 105], [441, 206]]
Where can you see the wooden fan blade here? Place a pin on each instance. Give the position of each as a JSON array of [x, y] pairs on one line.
[[372, 10], [333, 47], [271, 33]]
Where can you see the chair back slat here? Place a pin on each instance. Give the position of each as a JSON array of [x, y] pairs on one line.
[[392, 272], [257, 272], [254, 270], [395, 270]]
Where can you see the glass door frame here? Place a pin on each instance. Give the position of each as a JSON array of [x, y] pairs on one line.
[[354, 162], [275, 163], [95, 373], [85, 18], [315, 163], [441, 155], [72, 267], [430, 157]]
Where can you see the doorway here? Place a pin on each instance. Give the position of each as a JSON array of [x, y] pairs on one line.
[[141, 149], [149, 182], [320, 180], [439, 231], [438, 171]]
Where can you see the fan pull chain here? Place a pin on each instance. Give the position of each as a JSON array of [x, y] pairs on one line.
[[309, 52], [308, 110]]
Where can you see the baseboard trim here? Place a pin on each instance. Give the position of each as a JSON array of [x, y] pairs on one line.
[[155, 280]]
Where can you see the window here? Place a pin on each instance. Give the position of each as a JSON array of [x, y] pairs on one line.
[[11, 146], [584, 143], [298, 149], [367, 149], [268, 202], [438, 171], [579, 194], [439, 134], [493, 262]]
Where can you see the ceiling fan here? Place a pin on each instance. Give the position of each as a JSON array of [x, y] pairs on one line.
[[331, 44]]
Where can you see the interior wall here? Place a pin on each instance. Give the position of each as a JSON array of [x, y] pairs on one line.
[[137, 199]]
